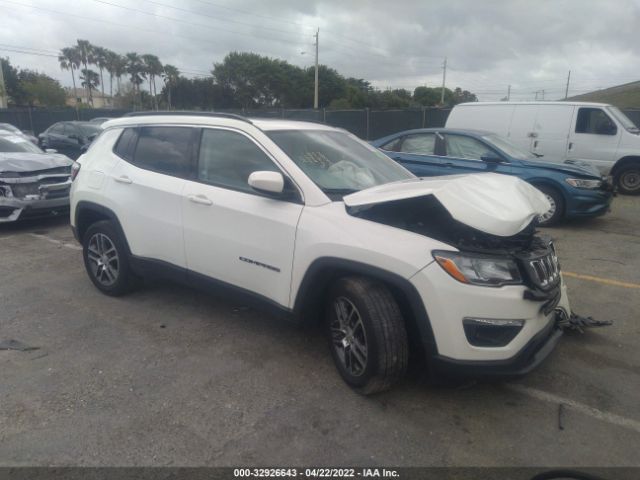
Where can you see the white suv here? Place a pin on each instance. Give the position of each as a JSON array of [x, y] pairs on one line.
[[313, 222]]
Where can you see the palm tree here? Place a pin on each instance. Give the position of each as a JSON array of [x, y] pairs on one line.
[[85, 51], [90, 79], [170, 75], [120, 69], [111, 65], [70, 60], [136, 69], [153, 68], [100, 59]]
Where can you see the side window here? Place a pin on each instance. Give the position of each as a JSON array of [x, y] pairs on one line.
[[165, 150], [421, 144], [57, 129], [595, 121], [228, 158], [126, 144], [466, 147], [392, 146]]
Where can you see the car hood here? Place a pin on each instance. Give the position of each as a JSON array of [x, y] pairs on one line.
[[573, 168], [497, 204], [30, 162]]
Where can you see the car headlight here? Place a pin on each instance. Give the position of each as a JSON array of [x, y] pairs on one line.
[[479, 269], [582, 183]]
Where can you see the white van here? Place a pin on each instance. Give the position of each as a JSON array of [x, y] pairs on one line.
[[596, 133]]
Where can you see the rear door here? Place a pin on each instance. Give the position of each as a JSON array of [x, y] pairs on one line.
[[594, 138], [231, 232], [146, 188], [417, 153]]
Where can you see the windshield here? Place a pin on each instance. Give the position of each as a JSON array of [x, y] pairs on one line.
[[337, 162], [623, 119], [89, 129], [15, 144], [507, 147]]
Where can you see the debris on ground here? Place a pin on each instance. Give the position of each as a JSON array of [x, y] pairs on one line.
[[576, 322]]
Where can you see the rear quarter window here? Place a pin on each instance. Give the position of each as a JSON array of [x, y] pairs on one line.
[[126, 144]]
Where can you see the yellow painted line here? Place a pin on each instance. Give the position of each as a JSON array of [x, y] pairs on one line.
[[606, 281]]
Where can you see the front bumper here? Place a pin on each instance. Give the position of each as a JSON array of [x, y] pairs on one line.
[[590, 203], [51, 199], [448, 302]]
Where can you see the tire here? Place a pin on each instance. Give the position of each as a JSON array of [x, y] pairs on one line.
[[113, 276], [557, 202], [628, 179], [377, 324]]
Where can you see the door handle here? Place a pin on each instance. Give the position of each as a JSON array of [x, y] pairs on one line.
[[535, 144], [449, 164], [570, 145], [200, 199], [123, 179]]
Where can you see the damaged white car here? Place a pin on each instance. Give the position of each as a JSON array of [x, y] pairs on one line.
[[33, 183], [313, 222]]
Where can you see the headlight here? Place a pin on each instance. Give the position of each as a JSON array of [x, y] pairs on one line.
[[479, 269], [582, 183]]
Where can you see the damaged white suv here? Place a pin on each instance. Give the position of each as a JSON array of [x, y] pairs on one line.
[[311, 221]]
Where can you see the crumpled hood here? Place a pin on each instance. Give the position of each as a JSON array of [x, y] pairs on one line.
[[493, 203], [29, 162]]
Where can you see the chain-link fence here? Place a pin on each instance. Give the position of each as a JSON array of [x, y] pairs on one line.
[[365, 123]]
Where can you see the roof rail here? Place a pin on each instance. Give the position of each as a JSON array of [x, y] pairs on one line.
[[189, 113]]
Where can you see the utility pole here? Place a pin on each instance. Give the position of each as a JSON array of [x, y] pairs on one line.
[[543, 95], [566, 90], [444, 76], [508, 93], [3, 90], [315, 94]]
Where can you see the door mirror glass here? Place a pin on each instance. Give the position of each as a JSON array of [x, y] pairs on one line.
[[267, 182]]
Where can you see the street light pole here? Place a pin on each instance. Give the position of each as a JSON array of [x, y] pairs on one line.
[[315, 94], [444, 76]]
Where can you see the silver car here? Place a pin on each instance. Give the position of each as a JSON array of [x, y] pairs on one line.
[[33, 183]]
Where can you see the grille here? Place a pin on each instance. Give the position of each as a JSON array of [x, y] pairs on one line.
[[23, 189], [544, 271]]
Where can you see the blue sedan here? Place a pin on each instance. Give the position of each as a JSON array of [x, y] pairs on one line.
[[572, 190]]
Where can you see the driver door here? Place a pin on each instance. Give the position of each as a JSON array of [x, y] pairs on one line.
[[464, 155], [231, 232]]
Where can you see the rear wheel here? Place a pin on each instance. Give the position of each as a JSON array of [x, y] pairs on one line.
[[367, 332], [556, 212], [106, 260], [628, 179]]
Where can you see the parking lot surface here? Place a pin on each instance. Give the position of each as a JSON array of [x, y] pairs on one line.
[[172, 376]]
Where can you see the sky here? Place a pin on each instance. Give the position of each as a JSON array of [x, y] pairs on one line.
[[489, 45]]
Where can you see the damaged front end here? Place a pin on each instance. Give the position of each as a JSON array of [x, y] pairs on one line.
[[515, 321], [29, 194]]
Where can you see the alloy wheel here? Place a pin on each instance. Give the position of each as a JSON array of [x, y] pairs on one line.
[[103, 259], [348, 336]]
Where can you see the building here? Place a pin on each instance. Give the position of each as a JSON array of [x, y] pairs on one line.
[[80, 96]]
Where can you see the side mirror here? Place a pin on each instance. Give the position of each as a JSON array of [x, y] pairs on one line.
[[492, 158], [267, 182], [51, 150]]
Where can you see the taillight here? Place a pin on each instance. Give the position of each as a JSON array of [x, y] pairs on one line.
[[75, 169]]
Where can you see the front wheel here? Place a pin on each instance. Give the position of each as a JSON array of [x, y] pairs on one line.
[[556, 212], [628, 179], [367, 332], [106, 260]]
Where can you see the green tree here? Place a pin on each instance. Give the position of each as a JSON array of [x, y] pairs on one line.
[[85, 53], [41, 89], [111, 65], [136, 70], [90, 81], [153, 68], [69, 59], [101, 60], [13, 87], [170, 75]]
